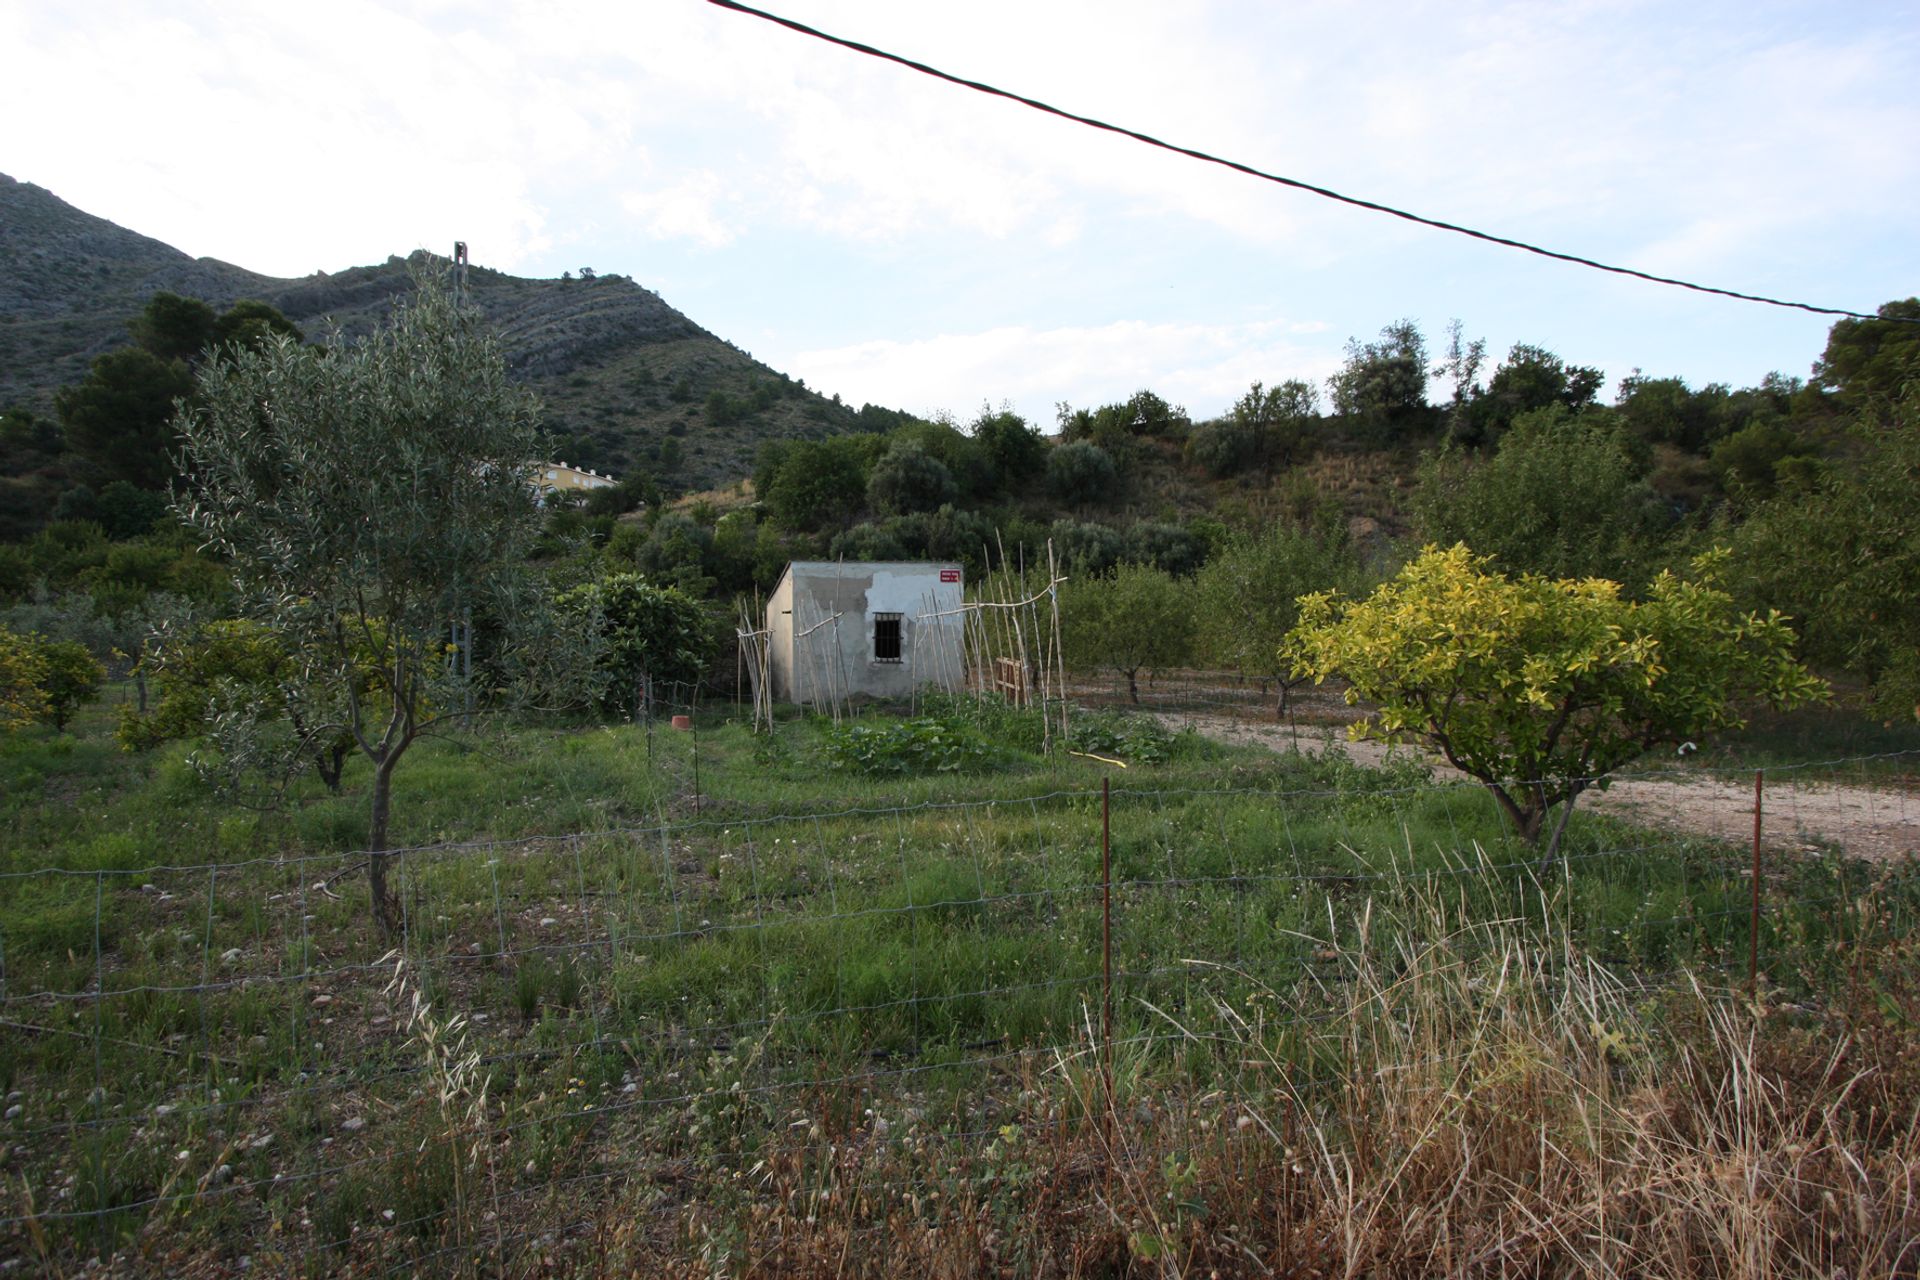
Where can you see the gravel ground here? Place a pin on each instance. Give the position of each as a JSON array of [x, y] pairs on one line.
[[1881, 823]]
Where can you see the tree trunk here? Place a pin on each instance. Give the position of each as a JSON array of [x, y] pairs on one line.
[[383, 912], [1133, 686], [1528, 821], [1525, 820], [330, 763], [1559, 829]]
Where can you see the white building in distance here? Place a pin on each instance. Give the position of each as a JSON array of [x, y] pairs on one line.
[[558, 477], [873, 628]]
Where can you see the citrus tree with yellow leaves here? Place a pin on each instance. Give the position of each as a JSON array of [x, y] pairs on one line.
[[23, 677], [1541, 687]]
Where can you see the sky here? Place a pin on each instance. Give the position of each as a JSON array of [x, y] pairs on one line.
[[905, 242]]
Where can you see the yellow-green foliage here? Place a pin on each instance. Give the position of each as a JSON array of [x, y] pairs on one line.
[[1539, 686], [199, 674], [73, 676], [44, 679], [23, 675], [242, 670]]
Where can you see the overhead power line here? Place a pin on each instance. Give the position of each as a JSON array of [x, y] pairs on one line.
[[1252, 172]]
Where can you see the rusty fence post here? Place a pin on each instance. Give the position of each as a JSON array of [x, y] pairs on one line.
[[1106, 950], [1753, 925]]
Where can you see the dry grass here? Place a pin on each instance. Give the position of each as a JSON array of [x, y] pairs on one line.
[[1476, 1106]]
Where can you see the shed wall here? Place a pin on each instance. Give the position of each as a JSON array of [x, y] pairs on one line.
[[780, 642], [830, 611]]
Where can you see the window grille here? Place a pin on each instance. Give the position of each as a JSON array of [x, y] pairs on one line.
[[886, 637]]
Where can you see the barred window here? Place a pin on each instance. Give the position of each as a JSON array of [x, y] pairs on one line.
[[886, 637]]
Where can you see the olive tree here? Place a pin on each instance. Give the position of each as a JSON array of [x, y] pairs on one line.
[[1383, 384], [1081, 473], [1541, 687], [1267, 427], [368, 496], [907, 479]]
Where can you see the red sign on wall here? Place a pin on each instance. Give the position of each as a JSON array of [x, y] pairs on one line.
[[949, 575]]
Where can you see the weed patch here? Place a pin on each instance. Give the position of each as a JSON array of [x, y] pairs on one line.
[[906, 748]]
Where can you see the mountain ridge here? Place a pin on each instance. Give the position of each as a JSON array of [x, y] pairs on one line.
[[628, 382]]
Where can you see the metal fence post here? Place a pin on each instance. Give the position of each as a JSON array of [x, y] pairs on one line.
[[1753, 924], [1106, 949]]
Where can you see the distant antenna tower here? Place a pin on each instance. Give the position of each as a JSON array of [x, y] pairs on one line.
[[459, 270]]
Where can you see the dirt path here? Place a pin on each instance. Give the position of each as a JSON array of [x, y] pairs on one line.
[[1867, 822]]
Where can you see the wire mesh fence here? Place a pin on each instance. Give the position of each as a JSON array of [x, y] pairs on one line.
[[233, 1050]]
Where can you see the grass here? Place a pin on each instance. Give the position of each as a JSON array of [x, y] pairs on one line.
[[1474, 1104], [800, 1015]]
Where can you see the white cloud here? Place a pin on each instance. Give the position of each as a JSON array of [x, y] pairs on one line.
[[481, 122], [686, 209], [285, 143]]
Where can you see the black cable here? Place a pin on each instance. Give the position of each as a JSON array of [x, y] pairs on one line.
[[1295, 183]]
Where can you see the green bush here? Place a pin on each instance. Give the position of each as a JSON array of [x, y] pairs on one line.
[[909, 479], [648, 635], [909, 748], [992, 717], [1081, 473], [23, 677], [1135, 739]]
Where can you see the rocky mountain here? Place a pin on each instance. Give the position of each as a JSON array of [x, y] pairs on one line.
[[627, 381]]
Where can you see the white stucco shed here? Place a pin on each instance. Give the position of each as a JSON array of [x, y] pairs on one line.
[[878, 628]]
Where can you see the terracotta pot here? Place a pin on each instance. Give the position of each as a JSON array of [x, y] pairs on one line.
[[683, 722]]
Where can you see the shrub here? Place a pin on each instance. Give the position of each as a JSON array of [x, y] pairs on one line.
[[1086, 548], [1081, 473], [907, 748], [1168, 547], [909, 479], [991, 716], [868, 542], [1015, 451], [648, 636], [73, 676], [676, 552], [1134, 739], [23, 673]]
